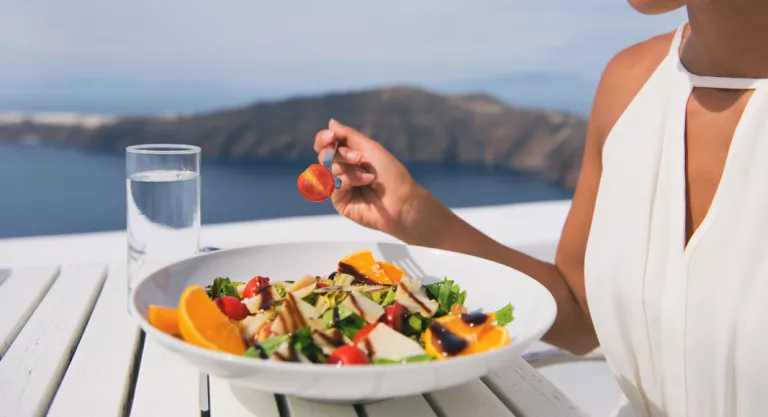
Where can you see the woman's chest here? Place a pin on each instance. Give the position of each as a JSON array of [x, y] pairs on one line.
[[682, 323]]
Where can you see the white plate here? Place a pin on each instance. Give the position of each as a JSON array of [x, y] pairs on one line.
[[489, 285]]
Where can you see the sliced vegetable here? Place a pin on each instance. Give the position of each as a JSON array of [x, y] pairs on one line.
[[271, 345], [363, 333], [505, 315], [447, 294], [348, 355], [303, 343], [232, 307], [254, 286], [394, 316], [389, 298], [316, 183], [221, 287]]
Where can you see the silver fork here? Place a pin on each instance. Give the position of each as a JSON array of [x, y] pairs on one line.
[[328, 162], [401, 256]]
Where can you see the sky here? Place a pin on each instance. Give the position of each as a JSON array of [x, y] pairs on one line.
[[183, 55]]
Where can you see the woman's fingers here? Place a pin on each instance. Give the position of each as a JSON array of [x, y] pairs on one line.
[[323, 139], [352, 175], [350, 136], [343, 154]]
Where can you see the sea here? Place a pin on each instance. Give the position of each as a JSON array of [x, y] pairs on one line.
[[48, 190]]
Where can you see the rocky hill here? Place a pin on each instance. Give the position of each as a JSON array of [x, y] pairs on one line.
[[416, 125]]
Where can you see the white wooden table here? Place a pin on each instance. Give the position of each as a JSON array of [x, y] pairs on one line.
[[69, 349]]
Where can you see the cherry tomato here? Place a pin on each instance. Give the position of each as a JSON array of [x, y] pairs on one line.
[[254, 286], [232, 307], [321, 284], [363, 333], [394, 316], [348, 355], [316, 183]]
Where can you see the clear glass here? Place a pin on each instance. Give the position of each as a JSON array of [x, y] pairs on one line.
[[163, 213]]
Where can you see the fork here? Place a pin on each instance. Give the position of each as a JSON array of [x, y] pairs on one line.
[[401, 256], [328, 162]]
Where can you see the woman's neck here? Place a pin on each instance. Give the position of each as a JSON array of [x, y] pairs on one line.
[[728, 39]]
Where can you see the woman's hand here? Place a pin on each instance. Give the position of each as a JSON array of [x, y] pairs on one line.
[[377, 191]]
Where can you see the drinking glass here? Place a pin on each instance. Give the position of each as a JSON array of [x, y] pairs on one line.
[[163, 213]]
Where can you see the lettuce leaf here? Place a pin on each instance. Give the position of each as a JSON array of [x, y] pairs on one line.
[[343, 313], [346, 321], [351, 325], [280, 290], [389, 298], [447, 293], [505, 315], [223, 286], [302, 342], [271, 345]]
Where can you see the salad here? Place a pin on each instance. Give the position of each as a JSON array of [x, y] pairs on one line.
[[365, 312]]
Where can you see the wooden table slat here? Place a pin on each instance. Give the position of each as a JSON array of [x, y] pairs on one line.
[[528, 393], [98, 378], [32, 368], [167, 385], [301, 408], [415, 405], [20, 295], [234, 401], [473, 398]]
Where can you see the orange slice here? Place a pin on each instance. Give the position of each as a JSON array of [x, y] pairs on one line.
[[392, 271], [165, 319], [202, 323], [480, 338], [364, 264]]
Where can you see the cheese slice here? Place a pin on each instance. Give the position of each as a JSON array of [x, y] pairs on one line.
[[385, 343], [303, 287], [295, 314], [254, 304], [329, 340], [412, 296], [250, 325], [364, 307]]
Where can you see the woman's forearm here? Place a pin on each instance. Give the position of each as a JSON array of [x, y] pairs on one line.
[[443, 229]]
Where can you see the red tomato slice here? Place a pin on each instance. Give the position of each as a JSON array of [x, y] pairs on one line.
[[232, 307], [394, 316], [363, 333], [316, 183], [348, 355], [254, 286]]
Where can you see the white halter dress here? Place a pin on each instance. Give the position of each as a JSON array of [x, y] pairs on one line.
[[684, 328]]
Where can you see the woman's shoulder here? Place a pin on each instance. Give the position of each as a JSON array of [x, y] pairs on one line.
[[625, 75]]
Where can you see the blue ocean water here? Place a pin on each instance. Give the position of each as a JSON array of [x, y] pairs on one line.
[[51, 190]]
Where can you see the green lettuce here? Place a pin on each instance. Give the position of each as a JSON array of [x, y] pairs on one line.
[[223, 286], [505, 315], [447, 293]]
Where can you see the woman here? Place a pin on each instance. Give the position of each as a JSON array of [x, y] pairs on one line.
[[662, 260]]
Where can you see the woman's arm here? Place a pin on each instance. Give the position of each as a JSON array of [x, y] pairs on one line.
[[573, 330]]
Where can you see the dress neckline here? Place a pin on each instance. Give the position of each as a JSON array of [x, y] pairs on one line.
[[705, 81]]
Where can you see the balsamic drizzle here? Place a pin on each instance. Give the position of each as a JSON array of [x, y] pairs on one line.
[[475, 318], [450, 343]]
